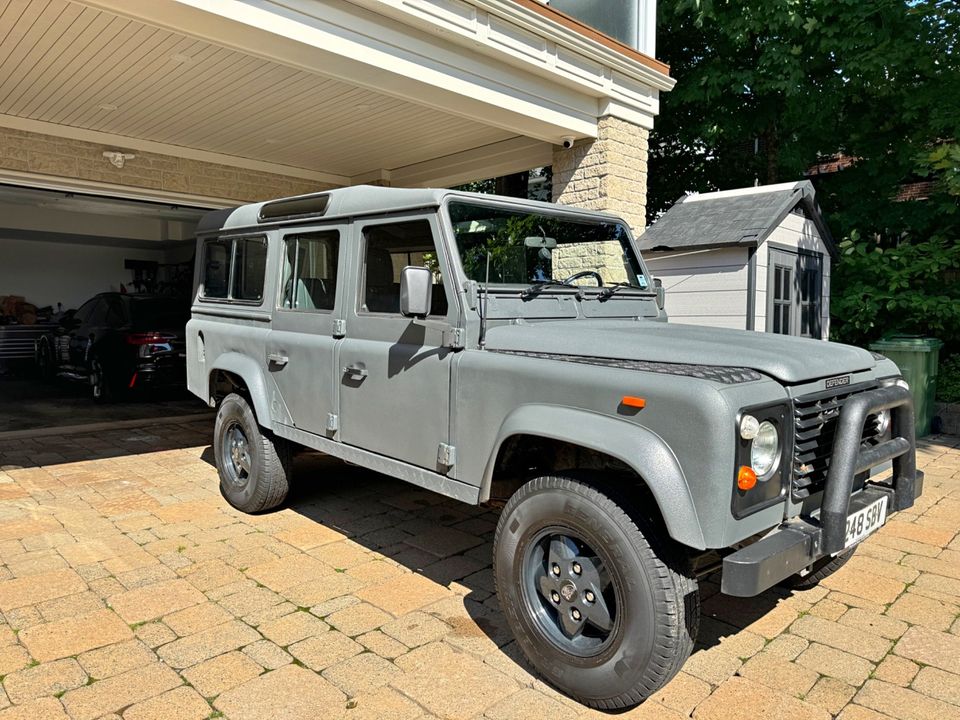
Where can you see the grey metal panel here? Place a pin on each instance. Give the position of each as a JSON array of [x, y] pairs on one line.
[[379, 463], [243, 364], [637, 447], [786, 358]]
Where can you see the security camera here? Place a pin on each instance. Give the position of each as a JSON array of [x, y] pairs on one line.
[[567, 141]]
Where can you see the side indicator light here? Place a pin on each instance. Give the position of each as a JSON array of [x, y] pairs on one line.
[[746, 478], [633, 402]]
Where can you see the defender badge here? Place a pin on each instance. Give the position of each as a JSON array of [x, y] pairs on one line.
[[837, 381]]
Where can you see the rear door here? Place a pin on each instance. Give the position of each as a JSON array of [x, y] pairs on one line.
[[301, 346]]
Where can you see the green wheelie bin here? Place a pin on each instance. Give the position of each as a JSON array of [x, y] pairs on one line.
[[918, 359]]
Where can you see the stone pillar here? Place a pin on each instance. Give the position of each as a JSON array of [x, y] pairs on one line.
[[608, 173]]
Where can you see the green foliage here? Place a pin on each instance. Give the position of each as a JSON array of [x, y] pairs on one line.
[[948, 382], [767, 89]]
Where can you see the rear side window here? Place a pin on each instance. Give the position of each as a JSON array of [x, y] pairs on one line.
[[249, 268], [234, 269], [310, 271], [216, 268]]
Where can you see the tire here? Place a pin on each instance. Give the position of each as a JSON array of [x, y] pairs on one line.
[[822, 568], [652, 605], [254, 466], [102, 387]]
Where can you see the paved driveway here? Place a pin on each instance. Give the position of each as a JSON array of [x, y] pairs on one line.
[[129, 588]]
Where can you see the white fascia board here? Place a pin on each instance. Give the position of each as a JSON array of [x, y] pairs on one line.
[[529, 41], [338, 39], [500, 158]]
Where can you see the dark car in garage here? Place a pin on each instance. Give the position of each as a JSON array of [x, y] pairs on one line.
[[119, 343]]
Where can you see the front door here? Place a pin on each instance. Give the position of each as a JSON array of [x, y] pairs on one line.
[[395, 373], [301, 346], [794, 292]]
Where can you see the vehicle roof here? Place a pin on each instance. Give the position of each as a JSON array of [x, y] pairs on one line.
[[365, 200]]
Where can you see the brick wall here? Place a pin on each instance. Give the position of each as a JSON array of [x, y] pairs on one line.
[[62, 157], [608, 173]]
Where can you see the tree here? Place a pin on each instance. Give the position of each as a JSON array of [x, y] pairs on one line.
[[766, 89]]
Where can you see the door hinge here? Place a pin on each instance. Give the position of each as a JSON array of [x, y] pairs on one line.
[[456, 338], [447, 455], [333, 422], [339, 327]]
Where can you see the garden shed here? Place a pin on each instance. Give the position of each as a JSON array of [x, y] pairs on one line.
[[755, 258]]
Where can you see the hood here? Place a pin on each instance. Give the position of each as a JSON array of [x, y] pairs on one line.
[[788, 359]]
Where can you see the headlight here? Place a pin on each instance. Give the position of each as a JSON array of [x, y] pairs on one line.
[[765, 450], [749, 427], [883, 422]]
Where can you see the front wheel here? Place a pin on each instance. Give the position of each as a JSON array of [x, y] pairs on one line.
[[596, 600], [254, 466], [820, 570]]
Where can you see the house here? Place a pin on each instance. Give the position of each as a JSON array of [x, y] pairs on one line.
[[122, 122], [756, 258]]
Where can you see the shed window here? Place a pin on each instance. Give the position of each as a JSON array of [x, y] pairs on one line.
[[795, 293]]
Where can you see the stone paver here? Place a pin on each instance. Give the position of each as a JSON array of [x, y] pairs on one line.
[[290, 693], [129, 588]]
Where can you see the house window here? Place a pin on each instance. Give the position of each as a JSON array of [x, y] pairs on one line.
[[795, 279]]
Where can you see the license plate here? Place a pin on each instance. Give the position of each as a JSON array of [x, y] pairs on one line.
[[865, 521]]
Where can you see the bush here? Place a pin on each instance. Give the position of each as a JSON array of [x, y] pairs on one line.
[[948, 381]]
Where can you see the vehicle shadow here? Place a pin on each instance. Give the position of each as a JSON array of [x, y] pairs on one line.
[[451, 543]]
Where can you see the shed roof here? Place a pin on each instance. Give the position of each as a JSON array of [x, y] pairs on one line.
[[743, 217]]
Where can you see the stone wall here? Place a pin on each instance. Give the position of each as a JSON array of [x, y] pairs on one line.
[[608, 173], [62, 157]]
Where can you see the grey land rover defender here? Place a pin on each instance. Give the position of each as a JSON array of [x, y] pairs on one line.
[[516, 353]]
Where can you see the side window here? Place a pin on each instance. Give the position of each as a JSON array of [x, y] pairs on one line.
[[242, 259], [249, 268], [389, 248], [84, 311], [310, 271], [98, 316], [216, 268], [116, 317]]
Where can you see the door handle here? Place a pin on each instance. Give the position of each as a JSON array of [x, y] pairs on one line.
[[358, 370], [277, 359]]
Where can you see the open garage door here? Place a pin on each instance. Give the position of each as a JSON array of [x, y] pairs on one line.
[[58, 252]]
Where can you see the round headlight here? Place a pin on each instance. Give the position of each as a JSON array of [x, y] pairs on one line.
[[883, 422], [765, 450]]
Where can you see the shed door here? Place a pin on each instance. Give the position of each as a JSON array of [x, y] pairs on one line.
[[794, 282]]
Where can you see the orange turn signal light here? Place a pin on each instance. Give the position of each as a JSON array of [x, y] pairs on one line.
[[746, 478], [634, 402]]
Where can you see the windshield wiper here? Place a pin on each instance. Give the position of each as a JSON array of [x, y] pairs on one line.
[[609, 290], [534, 289]]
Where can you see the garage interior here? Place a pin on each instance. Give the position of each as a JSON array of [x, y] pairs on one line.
[[58, 250]]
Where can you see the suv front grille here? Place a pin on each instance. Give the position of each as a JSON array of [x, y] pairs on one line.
[[815, 422]]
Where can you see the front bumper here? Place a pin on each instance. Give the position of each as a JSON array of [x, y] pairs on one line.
[[800, 542]]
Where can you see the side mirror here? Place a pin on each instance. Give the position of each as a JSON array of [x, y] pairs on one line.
[[661, 296], [416, 291]]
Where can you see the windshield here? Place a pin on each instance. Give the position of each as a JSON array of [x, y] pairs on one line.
[[526, 248]]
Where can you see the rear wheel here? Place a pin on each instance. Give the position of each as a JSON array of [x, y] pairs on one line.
[[253, 464], [599, 605]]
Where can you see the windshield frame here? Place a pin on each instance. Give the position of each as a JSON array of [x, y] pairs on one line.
[[556, 210]]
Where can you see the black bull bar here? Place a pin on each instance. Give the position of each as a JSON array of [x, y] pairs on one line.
[[801, 541]]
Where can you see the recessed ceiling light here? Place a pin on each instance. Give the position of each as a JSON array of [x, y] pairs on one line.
[[107, 106], [181, 58]]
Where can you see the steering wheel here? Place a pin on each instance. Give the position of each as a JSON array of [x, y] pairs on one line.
[[583, 274]]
